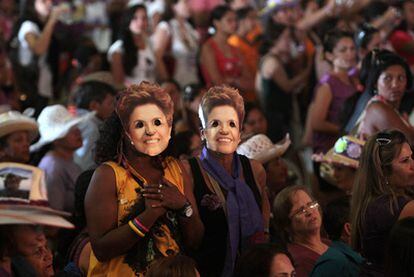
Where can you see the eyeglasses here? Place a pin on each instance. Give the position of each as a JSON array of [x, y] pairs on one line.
[[303, 210]]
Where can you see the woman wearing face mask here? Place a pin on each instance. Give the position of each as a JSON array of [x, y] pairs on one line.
[[131, 57], [388, 79], [229, 188], [379, 195], [138, 200]]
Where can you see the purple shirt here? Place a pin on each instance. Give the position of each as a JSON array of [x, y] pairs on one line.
[[322, 142], [61, 176]]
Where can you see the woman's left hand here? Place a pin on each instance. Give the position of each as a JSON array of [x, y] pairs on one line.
[[167, 193]]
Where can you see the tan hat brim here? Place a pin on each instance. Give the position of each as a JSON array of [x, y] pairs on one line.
[[19, 125]]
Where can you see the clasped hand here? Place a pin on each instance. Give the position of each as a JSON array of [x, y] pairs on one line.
[[164, 195]]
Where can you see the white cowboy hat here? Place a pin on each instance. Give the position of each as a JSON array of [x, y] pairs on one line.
[[54, 123], [25, 200], [260, 147], [13, 121]]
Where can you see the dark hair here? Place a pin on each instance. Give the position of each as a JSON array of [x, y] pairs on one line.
[[172, 266], [83, 53], [400, 249], [381, 60], [92, 91], [182, 143], [191, 91], [272, 33], [368, 63], [257, 260], [332, 38], [218, 13], [335, 216], [169, 10], [81, 186], [242, 13], [372, 178], [364, 35], [250, 106], [130, 56]]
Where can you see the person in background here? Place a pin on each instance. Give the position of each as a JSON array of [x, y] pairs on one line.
[[220, 62], [131, 57], [98, 97], [272, 81], [16, 133], [229, 188], [255, 121], [187, 144], [298, 220], [246, 23], [379, 196], [176, 44], [265, 260], [336, 220], [139, 204], [399, 256], [389, 79], [60, 138], [33, 51]]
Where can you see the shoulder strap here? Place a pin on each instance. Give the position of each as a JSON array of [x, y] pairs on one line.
[[198, 179], [250, 181]]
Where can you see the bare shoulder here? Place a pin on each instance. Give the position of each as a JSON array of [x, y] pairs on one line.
[[408, 210]]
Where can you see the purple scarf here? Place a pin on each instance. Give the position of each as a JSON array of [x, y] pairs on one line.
[[244, 218]]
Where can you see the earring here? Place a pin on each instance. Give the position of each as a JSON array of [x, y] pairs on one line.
[[132, 143]]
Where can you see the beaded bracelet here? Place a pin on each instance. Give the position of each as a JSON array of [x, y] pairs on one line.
[[135, 229], [140, 225]]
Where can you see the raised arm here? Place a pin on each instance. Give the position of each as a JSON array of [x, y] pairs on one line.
[[161, 38]]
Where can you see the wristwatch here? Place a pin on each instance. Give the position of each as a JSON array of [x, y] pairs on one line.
[[186, 211]]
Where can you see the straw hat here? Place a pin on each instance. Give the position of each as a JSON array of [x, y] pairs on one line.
[[103, 77], [13, 121], [23, 197], [346, 151], [260, 147], [54, 123]]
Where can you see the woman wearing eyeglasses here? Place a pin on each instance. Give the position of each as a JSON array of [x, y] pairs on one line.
[[380, 195], [298, 219], [389, 78]]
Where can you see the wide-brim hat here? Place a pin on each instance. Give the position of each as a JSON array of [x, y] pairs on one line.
[[26, 202], [54, 123], [346, 151], [260, 147], [103, 77], [13, 121]]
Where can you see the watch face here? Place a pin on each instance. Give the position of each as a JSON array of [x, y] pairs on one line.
[[188, 211]]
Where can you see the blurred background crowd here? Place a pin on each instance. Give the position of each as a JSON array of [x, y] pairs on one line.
[[320, 92]]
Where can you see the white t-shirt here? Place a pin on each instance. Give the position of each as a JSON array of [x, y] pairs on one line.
[[44, 83], [185, 70], [145, 67]]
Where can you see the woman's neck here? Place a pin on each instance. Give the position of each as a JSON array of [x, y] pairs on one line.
[[221, 38], [139, 40], [312, 241], [342, 74], [225, 160], [63, 153]]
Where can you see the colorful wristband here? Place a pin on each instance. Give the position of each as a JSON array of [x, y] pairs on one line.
[[135, 229], [140, 225]]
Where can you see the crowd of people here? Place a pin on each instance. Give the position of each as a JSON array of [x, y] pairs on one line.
[[206, 138]]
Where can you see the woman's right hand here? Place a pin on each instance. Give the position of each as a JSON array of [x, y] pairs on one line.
[[58, 11]]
